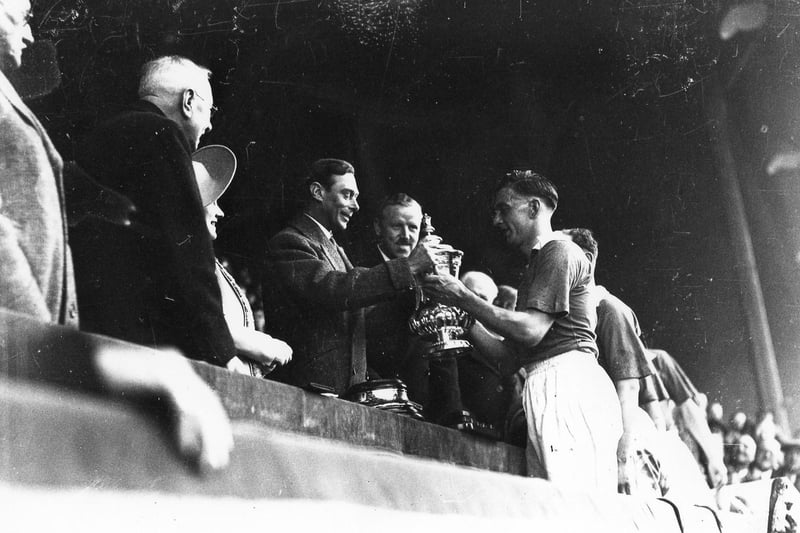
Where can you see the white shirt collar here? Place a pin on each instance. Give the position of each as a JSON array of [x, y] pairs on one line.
[[328, 233], [9, 91]]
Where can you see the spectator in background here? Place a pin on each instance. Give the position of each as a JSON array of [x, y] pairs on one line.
[[214, 168], [767, 429], [791, 464], [768, 460], [716, 425], [486, 387], [153, 282], [481, 284], [260, 319], [740, 424], [743, 453], [506, 297], [716, 421]]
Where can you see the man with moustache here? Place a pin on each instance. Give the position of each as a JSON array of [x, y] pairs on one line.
[[153, 282], [572, 412], [392, 350], [315, 297]]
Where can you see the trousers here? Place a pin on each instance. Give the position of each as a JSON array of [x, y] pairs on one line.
[[574, 422]]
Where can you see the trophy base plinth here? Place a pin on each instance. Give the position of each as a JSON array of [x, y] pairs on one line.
[[447, 349]]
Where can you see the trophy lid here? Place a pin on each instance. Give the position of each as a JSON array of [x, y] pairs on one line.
[[427, 230]]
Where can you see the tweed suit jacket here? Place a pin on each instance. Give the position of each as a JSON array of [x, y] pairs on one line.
[[35, 263], [153, 282], [314, 299]]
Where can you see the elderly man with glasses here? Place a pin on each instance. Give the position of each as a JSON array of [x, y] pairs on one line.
[[152, 282]]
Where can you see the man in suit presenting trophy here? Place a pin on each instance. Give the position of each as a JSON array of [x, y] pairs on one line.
[[315, 296]]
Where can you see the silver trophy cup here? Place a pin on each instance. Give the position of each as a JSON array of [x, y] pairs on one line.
[[441, 327]]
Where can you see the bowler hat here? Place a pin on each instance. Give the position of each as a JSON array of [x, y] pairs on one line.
[[214, 167]]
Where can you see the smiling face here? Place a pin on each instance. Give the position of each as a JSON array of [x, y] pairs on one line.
[[213, 214], [512, 215], [398, 229], [15, 32], [337, 204]]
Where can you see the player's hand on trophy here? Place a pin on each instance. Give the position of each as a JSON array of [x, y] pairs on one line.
[[444, 288]]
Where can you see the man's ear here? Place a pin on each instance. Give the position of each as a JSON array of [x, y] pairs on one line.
[[534, 205], [376, 225], [187, 102], [589, 256], [315, 188]]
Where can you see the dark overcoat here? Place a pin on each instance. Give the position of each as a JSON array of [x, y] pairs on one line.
[[152, 282]]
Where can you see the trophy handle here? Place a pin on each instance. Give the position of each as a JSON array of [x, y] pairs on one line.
[[419, 297]]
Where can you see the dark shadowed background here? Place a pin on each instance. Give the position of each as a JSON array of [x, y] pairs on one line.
[[438, 99]]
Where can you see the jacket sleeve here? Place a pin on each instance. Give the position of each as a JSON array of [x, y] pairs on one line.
[[299, 265], [189, 252]]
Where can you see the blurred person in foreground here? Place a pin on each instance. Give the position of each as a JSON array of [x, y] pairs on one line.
[[35, 257], [38, 320], [572, 411], [258, 353], [152, 282]]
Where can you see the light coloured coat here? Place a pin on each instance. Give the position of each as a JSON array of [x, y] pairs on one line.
[[35, 264]]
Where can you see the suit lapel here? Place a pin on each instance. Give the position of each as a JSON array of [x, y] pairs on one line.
[[27, 115], [11, 94], [310, 229]]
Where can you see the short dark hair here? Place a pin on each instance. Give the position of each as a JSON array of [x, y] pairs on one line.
[[323, 170], [400, 198], [529, 183], [584, 238]]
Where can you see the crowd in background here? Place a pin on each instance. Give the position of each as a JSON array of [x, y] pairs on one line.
[[755, 448]]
